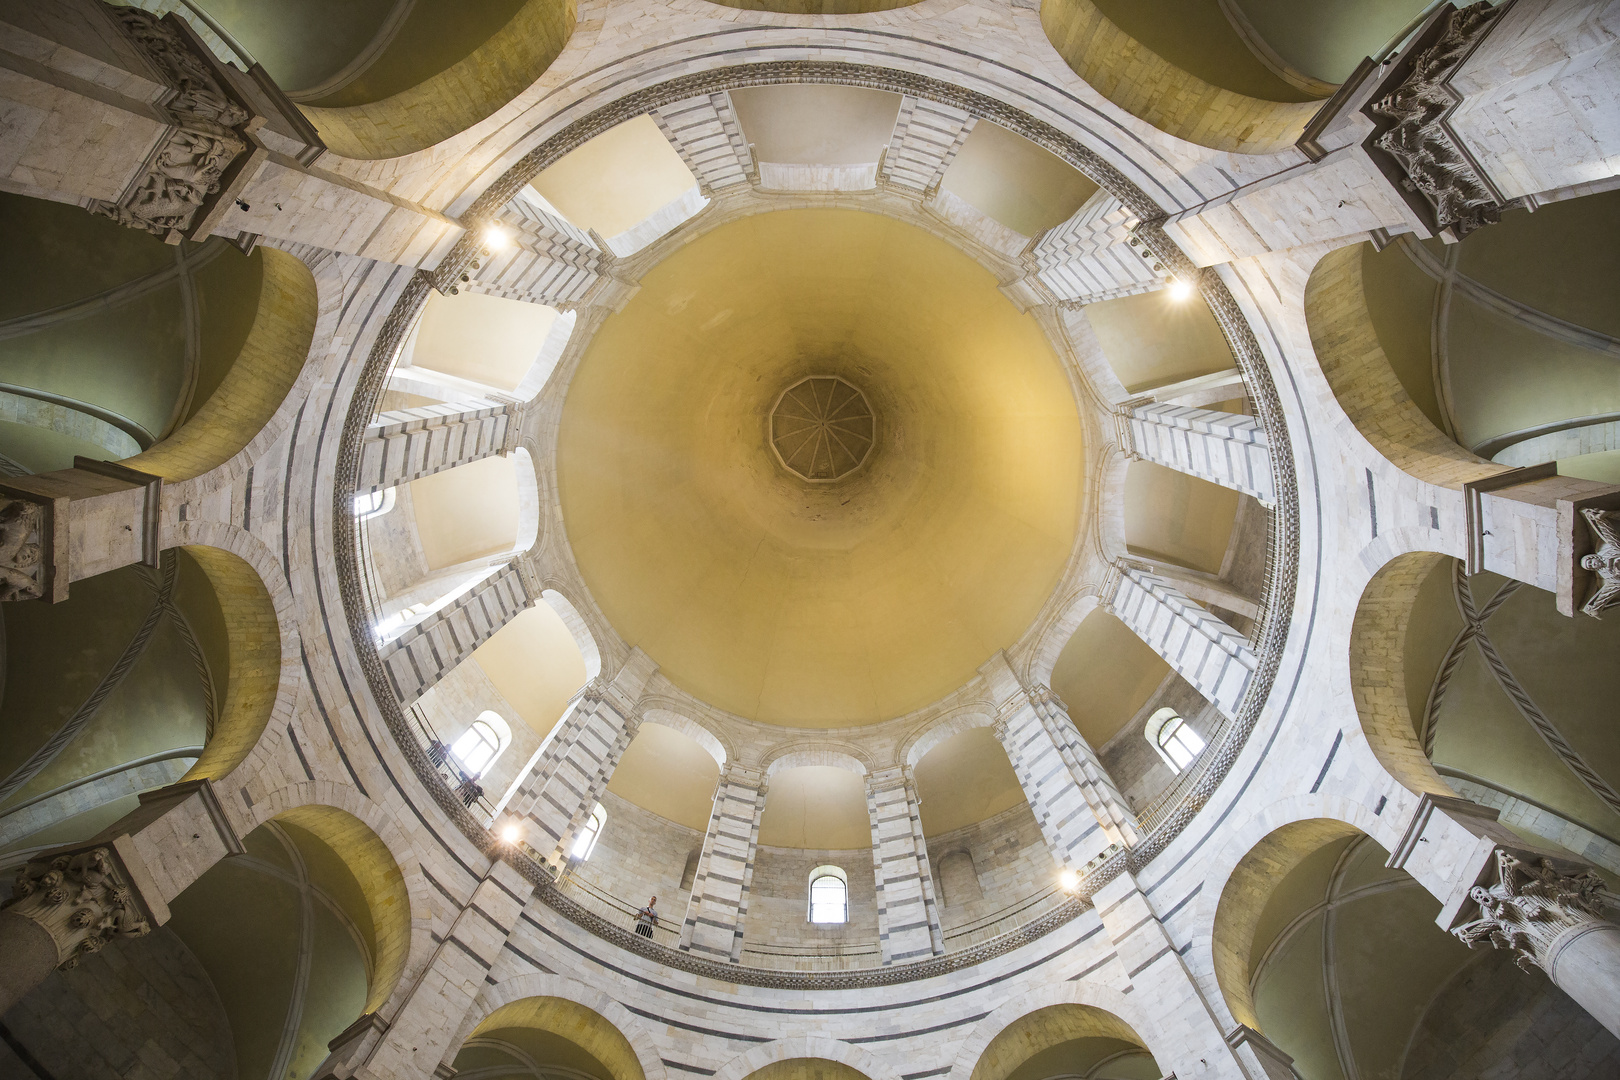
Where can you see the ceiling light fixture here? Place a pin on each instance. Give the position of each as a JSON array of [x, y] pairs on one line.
[[496, 238], [509, 832], [1070, 880], [1180, 290]]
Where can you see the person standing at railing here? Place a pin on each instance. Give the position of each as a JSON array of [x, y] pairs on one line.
[[647, 918]]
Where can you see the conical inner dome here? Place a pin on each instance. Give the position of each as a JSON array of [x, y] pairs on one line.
[[819, 468]]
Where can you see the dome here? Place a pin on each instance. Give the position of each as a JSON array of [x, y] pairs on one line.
[[809, 540], [797, 602]]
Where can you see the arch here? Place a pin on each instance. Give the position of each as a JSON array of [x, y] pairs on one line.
[[637, 1046], [381, 884], [920, 742], [798, 756], [401, 902], [1283, 832], [692, 729], [528, 500], [578, 627], [1378, 675], [811, 1047], [455, 99], [1069, 1010], [1170, 98], [258, 382], [257, 678], [1056, 634], [1364, 383]]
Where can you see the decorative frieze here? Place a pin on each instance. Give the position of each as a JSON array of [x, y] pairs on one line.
[[82, 899], [190, 162], [1428, 153]]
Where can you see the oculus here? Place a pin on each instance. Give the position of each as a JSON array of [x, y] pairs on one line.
[[822, 429]]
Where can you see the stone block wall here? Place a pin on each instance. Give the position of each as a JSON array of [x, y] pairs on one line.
[[145, 1010], [1010, 863], [779, 905], [639, 855]]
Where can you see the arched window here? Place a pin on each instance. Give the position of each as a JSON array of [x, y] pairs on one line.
[[589, 835], [1174, 739], [373, 504], [477, 748], [829, 895]]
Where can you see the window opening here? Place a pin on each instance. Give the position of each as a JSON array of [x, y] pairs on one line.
[[477, 748], [1175, 740], [373, 504], [829, 896], [586, 843]]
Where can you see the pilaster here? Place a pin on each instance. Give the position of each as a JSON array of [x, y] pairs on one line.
[[1224, 448], [908, 917], [717, 914], [427, 652], [408, 444], [1205, 651]]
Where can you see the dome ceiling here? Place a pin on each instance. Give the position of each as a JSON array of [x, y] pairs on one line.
[[820, 604]]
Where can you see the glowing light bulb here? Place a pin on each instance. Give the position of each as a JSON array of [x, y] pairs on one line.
[[1070, 880], [509, 833], [496, 238], [1180, 290]]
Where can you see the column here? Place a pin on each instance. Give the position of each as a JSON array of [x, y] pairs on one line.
[[908, 917], [408, 444], [1080, 811], [82, 898], [1495, 888], [430, 650], [1546, 530], [1209, 654], [704, 131], [926, 138], [1094, 256], [1224, 448], [718, 910], [553, 802], [544, 259], [419, 1034], [64, 526]]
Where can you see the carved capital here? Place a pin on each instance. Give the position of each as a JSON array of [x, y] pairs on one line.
[[22, 549], [1433, 162], [82, 899], [1529, 904], [1604, 561], [190, 163]]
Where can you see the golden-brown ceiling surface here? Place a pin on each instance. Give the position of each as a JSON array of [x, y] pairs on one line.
[[821, 604]]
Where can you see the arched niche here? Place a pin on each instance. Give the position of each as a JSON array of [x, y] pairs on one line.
[[1478, 687], [489, 56], [1461, 326], [250, 392], [554, 1031], [252, 679], [1169, 97], [300, 935], [1359, 372], [578, 628], [1065, 1038], [807, 1069], [963, 780], [119, 689], [670, 774], [116, 346], [1327, 916]]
